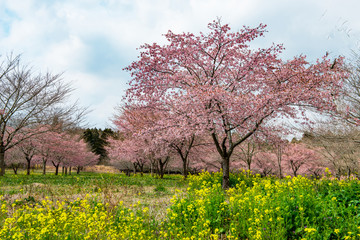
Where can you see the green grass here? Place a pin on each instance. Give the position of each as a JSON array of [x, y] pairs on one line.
[[110, 187], [145, 207], [86, 179]]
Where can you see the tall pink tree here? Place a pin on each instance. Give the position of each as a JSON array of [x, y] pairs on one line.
[[217, 83]]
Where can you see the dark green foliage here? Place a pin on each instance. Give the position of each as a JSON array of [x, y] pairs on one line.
[[97, 140]]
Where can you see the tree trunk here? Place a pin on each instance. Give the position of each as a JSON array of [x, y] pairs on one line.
[[56, 168], [295, 169], [280, 172], [2, 160], [28, 160], [152, 168], [15, 168], [65, 170], [248, 163], [134, 165], [141, 167], [185, 169], [78, 170], [162, 166], [279, 160], [226, 172], [44, 166], [69, 170]]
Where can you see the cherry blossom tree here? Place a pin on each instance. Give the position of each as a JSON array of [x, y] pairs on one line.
[[64, 149], [144, 131], [15, 159], [266, 163], [127, 155], [46, 142], [217, 83], [29, 149], [300, 158], [80, 155]]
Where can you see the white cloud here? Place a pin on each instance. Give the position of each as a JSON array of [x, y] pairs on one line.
[[92, 40]]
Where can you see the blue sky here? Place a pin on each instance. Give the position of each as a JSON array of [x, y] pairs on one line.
[[92, 40]]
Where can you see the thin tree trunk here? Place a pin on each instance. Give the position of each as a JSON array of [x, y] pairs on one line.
[[15, 169], [141, 166], [226, 172], [28, 160], [44, 166], [69, 170], [2, 160], [294, 168], [185, 169], [162, 167], [56, 167], [152, 168], [279, 160], [248, 162]]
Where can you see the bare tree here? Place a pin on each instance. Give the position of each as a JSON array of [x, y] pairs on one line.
[[338, 143], [349, 104], [29, 99], [246, 153]]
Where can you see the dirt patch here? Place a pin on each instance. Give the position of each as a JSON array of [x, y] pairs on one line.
[[101, 169], [38, 185]]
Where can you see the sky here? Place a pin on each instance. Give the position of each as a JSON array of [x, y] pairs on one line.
[[91, 41]]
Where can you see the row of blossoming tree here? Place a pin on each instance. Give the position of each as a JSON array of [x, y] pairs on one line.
[[212, 92], [275, 157], [51, 148], [35, 118]]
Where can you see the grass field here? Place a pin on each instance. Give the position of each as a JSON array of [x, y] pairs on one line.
[[114, 206], [107, 187]]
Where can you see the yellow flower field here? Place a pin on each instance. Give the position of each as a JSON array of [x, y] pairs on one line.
[[254, 208]]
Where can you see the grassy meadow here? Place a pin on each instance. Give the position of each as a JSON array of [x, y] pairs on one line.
[[115, 206]]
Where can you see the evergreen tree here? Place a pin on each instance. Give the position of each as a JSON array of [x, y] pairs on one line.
[[97, 140]]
